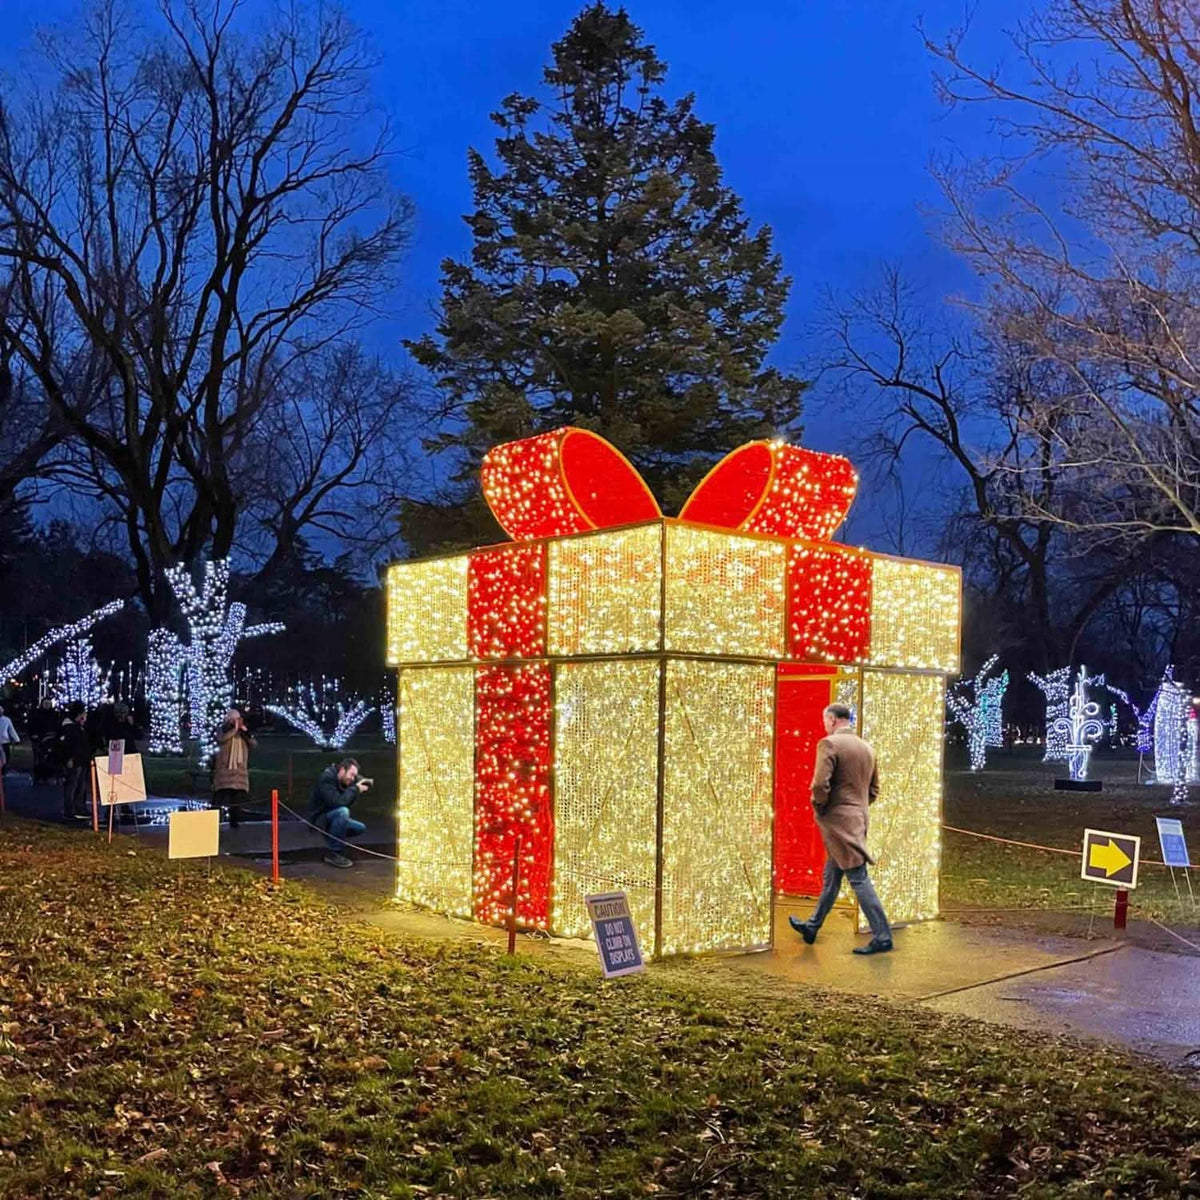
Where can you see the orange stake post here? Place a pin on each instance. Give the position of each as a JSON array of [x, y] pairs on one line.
[[95, 799], [2, 807], [274, 835]]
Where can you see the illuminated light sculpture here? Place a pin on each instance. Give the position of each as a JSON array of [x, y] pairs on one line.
[[310, 709], [637, 698], [387, 713], [566, 481], [1080, 727], [166, 661], [1056, 688], [1172, 705], [771, 487], [80, 676], [980, 712], [215, 629], [64, 633], [1192, 755]]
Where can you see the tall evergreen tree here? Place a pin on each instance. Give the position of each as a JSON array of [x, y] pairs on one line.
[[614, 283]]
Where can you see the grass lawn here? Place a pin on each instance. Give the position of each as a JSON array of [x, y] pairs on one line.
[[173, 1034], [1014, 798]]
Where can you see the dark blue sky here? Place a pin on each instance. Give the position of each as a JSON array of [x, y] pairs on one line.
[[825, 115]]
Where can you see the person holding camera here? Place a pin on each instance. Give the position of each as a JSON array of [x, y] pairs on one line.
[[231, 770], [336, 789]]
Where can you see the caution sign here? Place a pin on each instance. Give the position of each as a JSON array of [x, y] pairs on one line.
[[1111, 857], [616, 938]]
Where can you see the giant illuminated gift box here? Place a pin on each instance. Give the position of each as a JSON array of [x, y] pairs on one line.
[[639, 698]]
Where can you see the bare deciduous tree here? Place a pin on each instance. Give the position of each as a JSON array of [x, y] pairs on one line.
[[1096, 273], [193, 214]]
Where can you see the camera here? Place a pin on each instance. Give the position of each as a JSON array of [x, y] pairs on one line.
[[366, 782]]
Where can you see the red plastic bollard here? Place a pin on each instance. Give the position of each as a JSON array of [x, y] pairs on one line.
[[274, 835], [1122, 909], [512, 912]]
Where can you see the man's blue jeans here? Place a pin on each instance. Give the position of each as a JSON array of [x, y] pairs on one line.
[[864, 889], [338, 825]]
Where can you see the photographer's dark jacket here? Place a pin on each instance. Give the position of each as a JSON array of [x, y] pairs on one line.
[[328, 794]]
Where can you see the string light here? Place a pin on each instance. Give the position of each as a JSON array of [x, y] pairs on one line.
[[512, 792], [435, 805], [565, 749], [914, 615], [605, 592], [1171, 710], [165, 663], [506, 602], [427, 611], [725, 595], [829, 604], [605, 788], [64, 633], [979, 711], [80, 677], [903, 719], [1080, 726], [717, 806], [215, 629], [771, 487], [563, 482], [310, 709], [1055, 688], [387, 711]]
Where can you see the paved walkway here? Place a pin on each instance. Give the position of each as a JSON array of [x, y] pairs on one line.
[[1106, 988]]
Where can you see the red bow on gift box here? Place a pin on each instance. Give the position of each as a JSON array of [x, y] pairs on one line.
[[571, 480]]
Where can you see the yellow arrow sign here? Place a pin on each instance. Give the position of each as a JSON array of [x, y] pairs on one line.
[[1109, 858]]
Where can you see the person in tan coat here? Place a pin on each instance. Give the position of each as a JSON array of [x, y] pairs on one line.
[[845, 784], [231, 770]]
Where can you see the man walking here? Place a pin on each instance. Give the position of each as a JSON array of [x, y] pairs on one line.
[[336, 789], [845, 783]]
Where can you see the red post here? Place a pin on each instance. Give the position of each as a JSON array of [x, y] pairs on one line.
[[2, 808], [274, 835], [95, 797], [1121, 910], [512, 912]]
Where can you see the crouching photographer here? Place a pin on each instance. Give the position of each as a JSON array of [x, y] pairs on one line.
[[336, 789]]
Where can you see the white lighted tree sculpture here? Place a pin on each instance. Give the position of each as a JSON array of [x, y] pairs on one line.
[[311, 709], [80, 676], [1081, 726], [1056, 688], [165, 663], [977, 706], [215, 628], [387, 712], [1171, 711], [64, 633]]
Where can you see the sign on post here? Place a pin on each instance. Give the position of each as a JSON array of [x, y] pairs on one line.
[[1170, 838], [124, 786], [194, 834], [1111, 858], [616, 938], [116, 756]]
